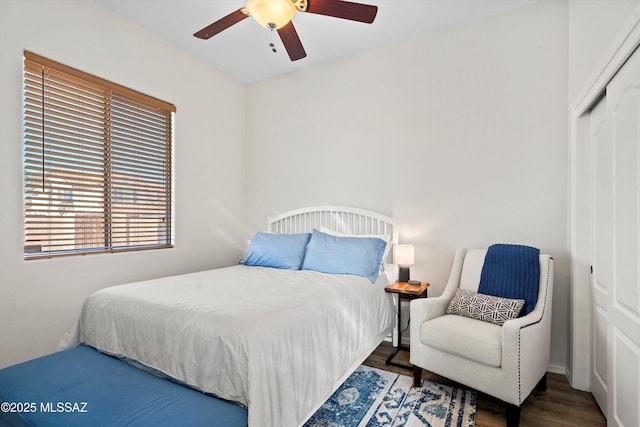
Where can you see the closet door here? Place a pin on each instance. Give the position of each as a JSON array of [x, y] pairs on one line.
[[601, 244], [623, 105]]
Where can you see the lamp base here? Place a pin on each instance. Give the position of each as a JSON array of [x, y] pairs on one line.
[[403, 274]]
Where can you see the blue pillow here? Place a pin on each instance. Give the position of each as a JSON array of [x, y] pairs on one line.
[[360, 256], [277, 250]]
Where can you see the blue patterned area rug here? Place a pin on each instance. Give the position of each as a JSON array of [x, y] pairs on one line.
[[373, 398]]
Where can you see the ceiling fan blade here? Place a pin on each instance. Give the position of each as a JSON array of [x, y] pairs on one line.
[[292, 42], [221, 25], [343, 9]]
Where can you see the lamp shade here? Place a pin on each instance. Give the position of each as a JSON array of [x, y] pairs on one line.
[[403, 255], [272, 14]]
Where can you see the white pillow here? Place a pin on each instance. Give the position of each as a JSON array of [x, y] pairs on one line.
[[487, 308], [385, 237]]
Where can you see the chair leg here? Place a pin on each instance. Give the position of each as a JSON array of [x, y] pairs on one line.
[[417, 376], [542, 384], [513, 415]]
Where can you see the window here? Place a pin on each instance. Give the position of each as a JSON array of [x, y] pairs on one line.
[[97, 164]]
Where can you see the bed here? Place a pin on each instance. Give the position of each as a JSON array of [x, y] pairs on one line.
[[276, 340], [83, 387]]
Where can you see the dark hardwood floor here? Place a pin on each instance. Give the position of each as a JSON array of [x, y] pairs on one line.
[[559, 405]]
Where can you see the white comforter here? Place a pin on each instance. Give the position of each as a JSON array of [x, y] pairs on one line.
[[274, 340]]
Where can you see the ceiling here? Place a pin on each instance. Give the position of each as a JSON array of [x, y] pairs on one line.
[[243, 51]]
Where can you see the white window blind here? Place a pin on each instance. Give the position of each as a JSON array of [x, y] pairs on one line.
[[97, 164]]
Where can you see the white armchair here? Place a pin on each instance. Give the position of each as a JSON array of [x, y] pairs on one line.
[[506, 361]]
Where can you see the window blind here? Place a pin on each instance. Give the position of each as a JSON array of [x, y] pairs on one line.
[[97, 164]]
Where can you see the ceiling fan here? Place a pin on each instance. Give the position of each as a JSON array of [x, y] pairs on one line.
[[277, 14]]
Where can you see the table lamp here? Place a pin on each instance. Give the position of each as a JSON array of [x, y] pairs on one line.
[[404, 256]]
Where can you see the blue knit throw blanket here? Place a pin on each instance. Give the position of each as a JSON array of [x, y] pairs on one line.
[[512, 271]]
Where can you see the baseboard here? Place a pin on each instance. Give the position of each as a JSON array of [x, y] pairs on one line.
[[568, 375], [557, 369]]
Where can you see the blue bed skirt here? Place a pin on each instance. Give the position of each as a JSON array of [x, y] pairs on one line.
[[82, 387]]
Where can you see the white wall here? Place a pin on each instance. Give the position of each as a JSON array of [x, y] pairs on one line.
[[460, 133], [38, 299]]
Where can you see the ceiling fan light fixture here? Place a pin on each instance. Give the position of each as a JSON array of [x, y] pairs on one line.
[[272, 14]]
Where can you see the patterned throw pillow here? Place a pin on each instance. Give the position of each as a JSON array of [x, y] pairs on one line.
[[484, 307]]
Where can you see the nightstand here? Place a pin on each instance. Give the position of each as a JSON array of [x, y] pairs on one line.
[[404, 290]]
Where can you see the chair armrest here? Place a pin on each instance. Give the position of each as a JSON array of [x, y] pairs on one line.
[[526, 344], [532, 324], [421, 310], [512, 328], [424, 309], [526, 341]]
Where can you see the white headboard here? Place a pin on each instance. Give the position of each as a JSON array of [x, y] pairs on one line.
[[337, 218]]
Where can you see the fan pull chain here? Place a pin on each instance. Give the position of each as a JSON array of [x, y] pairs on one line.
[[272, 44]]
